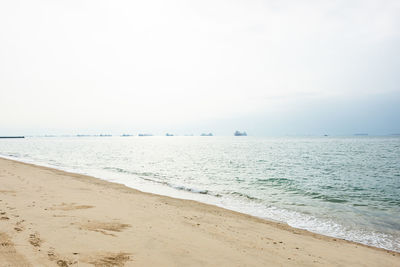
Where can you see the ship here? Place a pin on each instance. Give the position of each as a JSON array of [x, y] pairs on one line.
[[238, 133]]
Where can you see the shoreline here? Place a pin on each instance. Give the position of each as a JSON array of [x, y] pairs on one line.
[[182, 195], [87, 212]]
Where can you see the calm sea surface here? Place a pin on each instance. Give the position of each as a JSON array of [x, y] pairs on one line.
[[346, 187]]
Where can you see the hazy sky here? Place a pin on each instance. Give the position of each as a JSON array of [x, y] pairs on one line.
[[268, 67]]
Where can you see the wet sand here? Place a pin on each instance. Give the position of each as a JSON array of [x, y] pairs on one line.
[[54, 218]]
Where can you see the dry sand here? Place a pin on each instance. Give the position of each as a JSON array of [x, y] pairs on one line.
[[54, 218]]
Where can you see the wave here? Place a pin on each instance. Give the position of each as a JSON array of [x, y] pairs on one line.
[[145, 176], [243, 195], [276, 181]]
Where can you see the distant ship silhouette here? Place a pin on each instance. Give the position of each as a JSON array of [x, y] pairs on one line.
[[238, 133]]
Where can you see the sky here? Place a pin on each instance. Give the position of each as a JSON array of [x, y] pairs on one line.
[[267, 67]]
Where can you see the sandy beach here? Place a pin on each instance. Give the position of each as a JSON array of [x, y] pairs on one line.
[[55, 218]]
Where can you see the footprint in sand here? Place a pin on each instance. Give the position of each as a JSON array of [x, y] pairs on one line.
[[8, 254], [34, 240], [19, 227], [61, 261]]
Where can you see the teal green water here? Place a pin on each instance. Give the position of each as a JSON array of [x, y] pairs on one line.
[[347, 187]]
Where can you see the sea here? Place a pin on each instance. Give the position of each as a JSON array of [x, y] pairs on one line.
[[344, 187]]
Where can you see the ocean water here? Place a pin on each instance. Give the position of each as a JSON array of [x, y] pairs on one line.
[[346, 187]]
